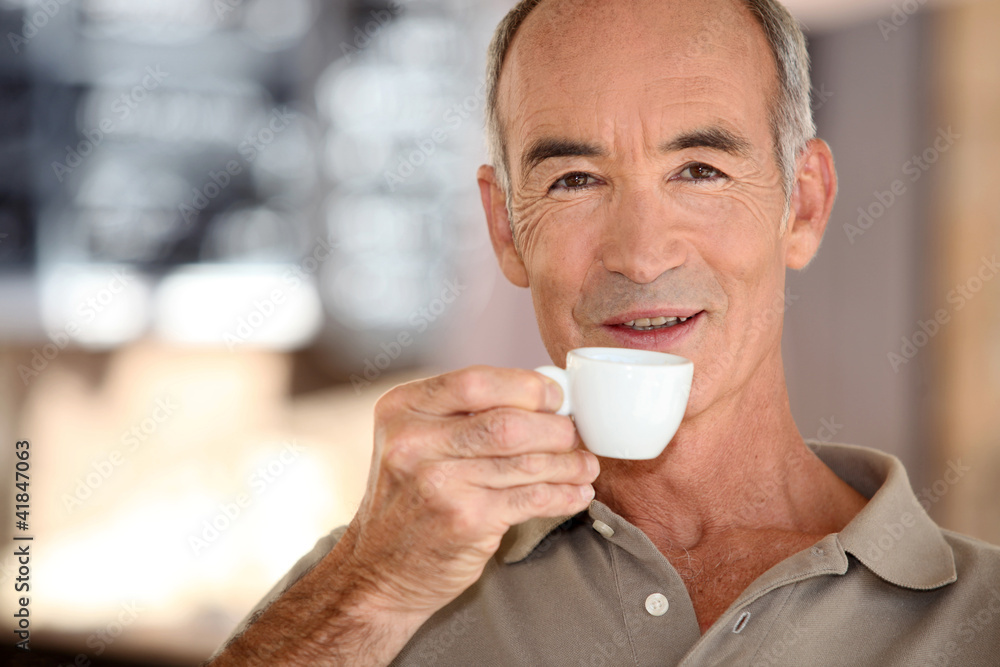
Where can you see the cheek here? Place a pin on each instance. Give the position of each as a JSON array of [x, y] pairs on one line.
[[739, 233], [556, 264], [739, 239], [557, 246], [554, 236], [556, 285]]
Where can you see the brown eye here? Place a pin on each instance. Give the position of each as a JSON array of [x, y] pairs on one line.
[[700, 172], [573, 181]]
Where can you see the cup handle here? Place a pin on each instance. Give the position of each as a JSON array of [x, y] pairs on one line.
[[559, 375]]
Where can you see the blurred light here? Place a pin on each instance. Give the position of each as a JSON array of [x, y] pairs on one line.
[[390, 129], [129, 234], [256, 234], [127, 208], [94, 305], [277, 24], [254, 305], [141, 541], [371, 223], [277, 510], [373, 96], [423, 42], [379, 291], [221, 116], [357, 156], [116, 180], [289, 164], [149, 11], [158, 21], [146, 542]]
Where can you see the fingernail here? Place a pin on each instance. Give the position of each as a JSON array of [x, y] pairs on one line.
[[587, 493], [555, 395]]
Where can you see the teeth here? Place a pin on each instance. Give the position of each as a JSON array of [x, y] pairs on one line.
[[646, 323]]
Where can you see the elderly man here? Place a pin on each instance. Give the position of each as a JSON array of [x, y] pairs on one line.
[[653, 160]]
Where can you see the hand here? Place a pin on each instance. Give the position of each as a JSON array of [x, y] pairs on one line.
[[458, 459]]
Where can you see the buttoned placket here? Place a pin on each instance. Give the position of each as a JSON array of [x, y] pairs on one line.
[[666, 630], [760, 617], [655, 608]]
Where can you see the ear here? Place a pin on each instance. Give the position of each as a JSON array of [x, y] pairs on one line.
[[495, 207], [812, 200]]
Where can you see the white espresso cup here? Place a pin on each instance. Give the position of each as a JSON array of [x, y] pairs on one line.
[[626, 404]]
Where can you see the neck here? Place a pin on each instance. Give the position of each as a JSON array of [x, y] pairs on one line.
[[738, 465]]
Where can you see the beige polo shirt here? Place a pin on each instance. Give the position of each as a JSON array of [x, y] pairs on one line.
[[890, 589]]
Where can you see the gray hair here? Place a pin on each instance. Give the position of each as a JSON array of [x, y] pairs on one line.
[[790, 115]]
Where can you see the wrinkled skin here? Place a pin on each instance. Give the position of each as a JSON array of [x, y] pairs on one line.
[[697, 228]]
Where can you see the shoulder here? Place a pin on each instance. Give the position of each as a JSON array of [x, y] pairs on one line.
[[972, 602], [975, 559]]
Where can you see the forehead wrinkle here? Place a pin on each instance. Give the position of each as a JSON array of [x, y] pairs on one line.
[[563, 32], [614, 122], [546, 44]]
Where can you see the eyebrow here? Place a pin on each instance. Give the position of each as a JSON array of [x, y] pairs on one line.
[[547, 148], [714, 137]]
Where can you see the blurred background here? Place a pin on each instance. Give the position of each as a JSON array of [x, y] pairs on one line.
[[228, 226]]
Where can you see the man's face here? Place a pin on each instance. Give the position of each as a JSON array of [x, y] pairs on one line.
[[645, 184]]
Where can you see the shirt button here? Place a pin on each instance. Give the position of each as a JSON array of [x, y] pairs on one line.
[[603, 528], [656, 604]]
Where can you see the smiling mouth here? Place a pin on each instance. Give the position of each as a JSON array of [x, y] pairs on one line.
[[649, 324]]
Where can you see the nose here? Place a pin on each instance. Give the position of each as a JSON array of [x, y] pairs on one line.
[[641, 239]]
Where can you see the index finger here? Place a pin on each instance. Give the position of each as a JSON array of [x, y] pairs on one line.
[[479, 388]]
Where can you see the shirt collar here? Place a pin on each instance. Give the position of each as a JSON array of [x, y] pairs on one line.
[[892, 535], [521, 540]]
